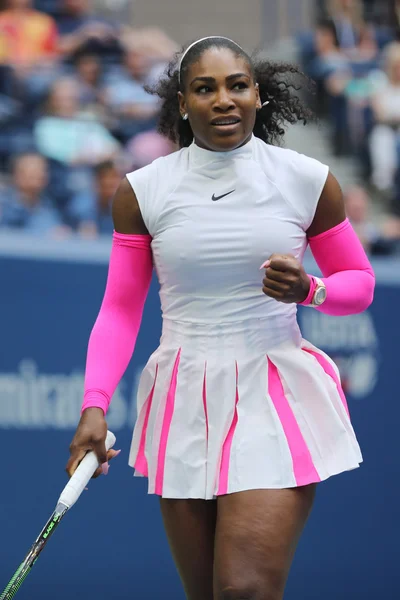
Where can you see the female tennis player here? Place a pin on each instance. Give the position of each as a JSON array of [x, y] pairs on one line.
[[239, 417]]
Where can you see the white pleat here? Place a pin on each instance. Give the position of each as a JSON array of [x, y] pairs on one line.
[[146, 383], [260, 455], [335, 398], [166, 361], [221, 399], [186, 457], [314, 399]]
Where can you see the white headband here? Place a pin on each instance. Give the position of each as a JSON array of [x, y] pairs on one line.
[[210, 37]]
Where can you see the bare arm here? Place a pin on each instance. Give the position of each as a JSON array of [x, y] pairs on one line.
[[114, 334], [126, 213], [330, 210]]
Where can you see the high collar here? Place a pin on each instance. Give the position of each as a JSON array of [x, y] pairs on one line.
[[201, 156]]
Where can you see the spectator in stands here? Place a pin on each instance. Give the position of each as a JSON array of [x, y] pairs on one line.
[[10, 105], [28, 46], [146, 147], [329, 66], [15, 120], [89, 212], [25, 204], [28, 38], [67, 137], [153, 43], [352, 88], [382, 12], [366, 51], [391, 228], [329, 58], [136, 109], [385, 136], [79, 27], [351, 34], [357, 211], [89, 78], [347, 16]]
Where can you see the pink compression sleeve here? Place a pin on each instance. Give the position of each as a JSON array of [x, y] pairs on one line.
[[347, 272], [114, 334]]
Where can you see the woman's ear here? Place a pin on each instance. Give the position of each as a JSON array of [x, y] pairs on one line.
[[182, 104], [258, 104]]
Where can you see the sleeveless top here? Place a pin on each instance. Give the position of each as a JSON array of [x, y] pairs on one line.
[[215, 217]]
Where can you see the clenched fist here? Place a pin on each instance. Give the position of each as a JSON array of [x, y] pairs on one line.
[[285, 279]]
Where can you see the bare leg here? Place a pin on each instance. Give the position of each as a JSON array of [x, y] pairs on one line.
[[190, 527], [256, 538]]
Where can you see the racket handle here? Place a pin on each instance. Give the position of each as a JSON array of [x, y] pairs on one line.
[[82, 475]]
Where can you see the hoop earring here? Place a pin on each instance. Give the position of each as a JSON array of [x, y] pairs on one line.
[[185, 117]]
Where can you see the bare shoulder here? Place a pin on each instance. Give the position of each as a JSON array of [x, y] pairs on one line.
[[126, 213], [330, 209]]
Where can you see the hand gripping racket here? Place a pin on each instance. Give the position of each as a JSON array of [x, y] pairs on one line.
[[69, 496]]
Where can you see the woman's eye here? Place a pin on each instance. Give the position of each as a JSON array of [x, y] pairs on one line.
[[203, 89], [241, 85]]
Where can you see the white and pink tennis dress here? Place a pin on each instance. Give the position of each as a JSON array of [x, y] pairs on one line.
[[233, 398]]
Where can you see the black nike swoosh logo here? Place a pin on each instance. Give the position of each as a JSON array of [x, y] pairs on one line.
[[214, 197]]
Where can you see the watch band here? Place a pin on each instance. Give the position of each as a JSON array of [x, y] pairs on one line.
[[310, 295]]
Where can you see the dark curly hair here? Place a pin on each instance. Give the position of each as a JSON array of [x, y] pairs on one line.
[[278, 84]]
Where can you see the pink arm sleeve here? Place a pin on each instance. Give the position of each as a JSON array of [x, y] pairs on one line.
[[347, 272], [114, 333]]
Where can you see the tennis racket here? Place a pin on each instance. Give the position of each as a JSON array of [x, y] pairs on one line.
[[69, 496]]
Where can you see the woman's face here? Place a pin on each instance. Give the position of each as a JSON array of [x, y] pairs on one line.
[[221, 100]]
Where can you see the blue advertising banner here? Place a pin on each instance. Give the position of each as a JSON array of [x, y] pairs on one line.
[[112, 544]]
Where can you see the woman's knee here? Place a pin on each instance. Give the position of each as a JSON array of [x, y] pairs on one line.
[[235, 593], [247, 590]]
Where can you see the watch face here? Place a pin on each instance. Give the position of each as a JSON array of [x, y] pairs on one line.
[[319, 296]]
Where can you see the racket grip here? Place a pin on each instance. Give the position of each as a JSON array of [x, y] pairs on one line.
[[82, 475]]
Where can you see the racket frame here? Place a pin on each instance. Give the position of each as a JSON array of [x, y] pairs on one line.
[[25, 567]]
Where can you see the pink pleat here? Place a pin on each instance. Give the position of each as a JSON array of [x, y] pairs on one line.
[[329, 370], [303, 466], [141, 462], [169, 410], [226, 448]]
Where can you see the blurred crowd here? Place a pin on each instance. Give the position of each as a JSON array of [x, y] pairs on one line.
[[74, 115], [353, 54]]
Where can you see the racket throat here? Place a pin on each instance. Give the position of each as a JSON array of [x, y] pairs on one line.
[[60, 509]]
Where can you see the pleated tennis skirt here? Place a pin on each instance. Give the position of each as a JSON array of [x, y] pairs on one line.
[[223, 411]]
